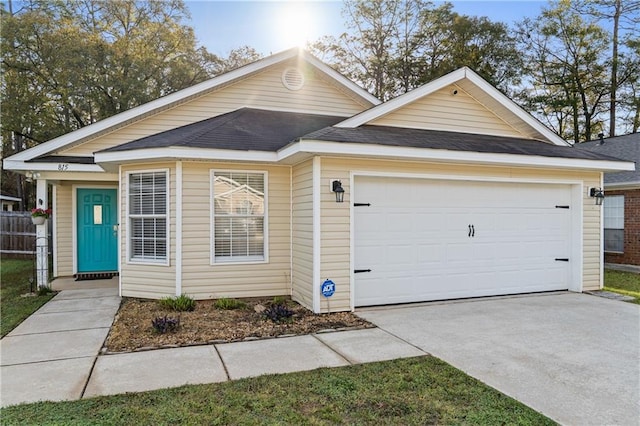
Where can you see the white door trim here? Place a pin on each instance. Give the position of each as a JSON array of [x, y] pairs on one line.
[[74, 218]]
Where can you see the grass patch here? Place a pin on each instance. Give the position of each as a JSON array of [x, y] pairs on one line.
[[229, 304], [14, 282], [182, 303], [421, 390], [627, 283]]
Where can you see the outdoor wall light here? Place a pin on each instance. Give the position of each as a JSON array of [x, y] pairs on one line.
[[336, 186], [598, 194]]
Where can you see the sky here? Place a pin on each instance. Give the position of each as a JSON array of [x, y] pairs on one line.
[[274, 26]]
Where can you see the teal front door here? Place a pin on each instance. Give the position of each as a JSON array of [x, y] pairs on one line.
[[97, 221]]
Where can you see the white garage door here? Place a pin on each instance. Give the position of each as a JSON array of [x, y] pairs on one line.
[[421, 239]]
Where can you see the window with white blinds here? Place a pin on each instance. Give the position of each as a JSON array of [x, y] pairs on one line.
[[148, 200], [614, 223], [238, 216]]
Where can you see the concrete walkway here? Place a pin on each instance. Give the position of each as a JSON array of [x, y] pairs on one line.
[[54, 354]]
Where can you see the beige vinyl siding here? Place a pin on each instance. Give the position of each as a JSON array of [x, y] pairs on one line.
[[302, 233], [63, 217], [335, 238], [335, 250], [443, 111], [592, 228], [263, 90], [139, 279], [201, 279]]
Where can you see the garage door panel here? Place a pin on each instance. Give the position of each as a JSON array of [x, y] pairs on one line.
[[421, 229]]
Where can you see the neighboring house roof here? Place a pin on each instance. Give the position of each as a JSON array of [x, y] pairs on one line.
[[135, 114], [434, 139], [478, 88], [246, 129], [626, 147]]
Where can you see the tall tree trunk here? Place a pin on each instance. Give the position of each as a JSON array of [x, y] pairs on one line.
[[614, 70]]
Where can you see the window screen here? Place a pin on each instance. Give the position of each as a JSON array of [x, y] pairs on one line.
[[614, 223], [148, 216], [238, 216]]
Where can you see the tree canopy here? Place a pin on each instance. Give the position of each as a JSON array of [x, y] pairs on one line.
[[67, 64], [394, 46]]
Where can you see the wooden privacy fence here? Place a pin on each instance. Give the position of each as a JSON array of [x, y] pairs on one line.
[[18, 235]]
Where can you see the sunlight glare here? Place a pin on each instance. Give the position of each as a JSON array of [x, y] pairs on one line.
[[294, 24]]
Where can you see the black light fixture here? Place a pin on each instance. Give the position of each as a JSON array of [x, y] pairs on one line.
[[337, 188], [598, 193]]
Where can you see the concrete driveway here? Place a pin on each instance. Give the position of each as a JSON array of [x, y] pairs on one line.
[[573, 357]]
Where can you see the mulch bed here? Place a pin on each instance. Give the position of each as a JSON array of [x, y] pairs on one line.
[[132, 329]]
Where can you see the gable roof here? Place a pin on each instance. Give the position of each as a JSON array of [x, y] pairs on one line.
[[626, 147], [166, 102], [246, 129], [477, 87]]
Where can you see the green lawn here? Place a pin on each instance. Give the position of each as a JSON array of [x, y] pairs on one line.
[[627, 283], [421, 391], [14, 282]]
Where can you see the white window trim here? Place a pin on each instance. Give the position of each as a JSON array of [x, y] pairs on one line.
[[212, 250], [130, 260], [604, 228]]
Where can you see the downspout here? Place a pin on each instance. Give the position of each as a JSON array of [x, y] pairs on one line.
[[291, 231]]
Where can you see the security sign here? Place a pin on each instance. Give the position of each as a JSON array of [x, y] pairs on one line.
[[328, 288]]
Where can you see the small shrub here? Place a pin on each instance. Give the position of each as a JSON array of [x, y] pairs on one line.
[[182, 303], [278, 313], [165, 324], [228, 304]]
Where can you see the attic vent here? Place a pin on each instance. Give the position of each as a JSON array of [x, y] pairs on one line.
[[293, 79]]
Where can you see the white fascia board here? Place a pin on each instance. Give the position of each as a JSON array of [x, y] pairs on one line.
[[342, 80], [108, 123], [13, 164], [184, 154], [622, 185], [514, 108], [394, 152], [400, 101]]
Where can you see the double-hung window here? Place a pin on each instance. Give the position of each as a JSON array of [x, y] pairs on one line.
[[238, 216], [614, 223], [147, 210]]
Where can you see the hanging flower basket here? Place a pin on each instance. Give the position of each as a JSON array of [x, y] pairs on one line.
[[39, 216], [38, 220]]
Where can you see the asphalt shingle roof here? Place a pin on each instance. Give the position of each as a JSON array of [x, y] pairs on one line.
[[249, 129], [625, 147], [63, 159], [245, 129], [434, 139]]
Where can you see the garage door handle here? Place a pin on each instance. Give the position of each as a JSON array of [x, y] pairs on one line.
[[357, 271], [469, 235], [562, 259], [472, 231]]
